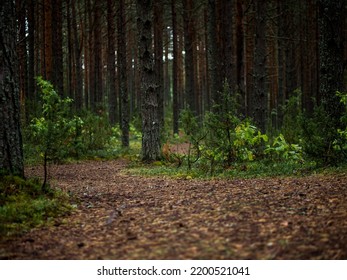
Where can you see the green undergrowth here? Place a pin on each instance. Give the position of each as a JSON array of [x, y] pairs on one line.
[[24, 205], [254, 169]]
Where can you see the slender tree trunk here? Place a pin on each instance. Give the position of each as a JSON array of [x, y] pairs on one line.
[[31, 97], [111, 60], [213, 51], [259, 99], [149, 98], [175, 105], [227, 66], [91, 60], [11, 153], [158, 56], [22, 50], [57, 47], [98, 90], [239, 44], [122, 73], [48, 41], [189, 44], [78, 61]]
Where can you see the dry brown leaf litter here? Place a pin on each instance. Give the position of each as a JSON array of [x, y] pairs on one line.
[[131, 217]]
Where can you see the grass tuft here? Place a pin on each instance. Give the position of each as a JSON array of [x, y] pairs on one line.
[[24, 205]]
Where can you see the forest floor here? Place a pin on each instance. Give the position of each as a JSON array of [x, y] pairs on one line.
[[122, 216]]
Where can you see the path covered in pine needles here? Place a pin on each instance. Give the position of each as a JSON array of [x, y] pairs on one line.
[[119, 216]]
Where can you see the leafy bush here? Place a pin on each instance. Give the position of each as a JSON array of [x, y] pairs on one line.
[[282, 150], [323, 140], [55, 130], [340, 144]]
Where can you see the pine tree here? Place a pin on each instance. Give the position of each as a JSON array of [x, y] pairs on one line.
[[11, 153]]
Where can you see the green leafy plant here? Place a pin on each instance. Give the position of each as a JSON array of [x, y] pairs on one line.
[[282, 150], [340, 144]]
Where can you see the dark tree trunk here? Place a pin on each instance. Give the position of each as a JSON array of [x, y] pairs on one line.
[[227, 66], [149, 98], [11, 153], [57, 46], [22, 48], [331, 52], [213, 51], [158, 56], [98, 90], [48, 41], [259, 98], [78, 61], [122, 74], [189, 43], [31, 97], [111, 60], [175, 106]]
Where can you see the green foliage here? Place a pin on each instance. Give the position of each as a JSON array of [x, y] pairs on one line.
[[340, 143], [95, 132], [282, 150], [292, 112], [24, 205], [195, 133], [54, 132], [323, 139], [57, 134]]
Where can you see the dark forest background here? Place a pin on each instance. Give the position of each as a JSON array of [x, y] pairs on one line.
[[279, 64]]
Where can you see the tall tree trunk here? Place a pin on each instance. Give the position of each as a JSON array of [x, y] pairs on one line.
[[98, 90], [331, 52], [259, 99], [57, 46], [213, 51], [239, 44], [331, 69], [11, 151], [122, 73], [227, 66], [48, 41], [22, 50], [189, 44], [77, 48], [158, 57], [149, 98], [91, 60], [175, 105], [111, 60], [31, 97]]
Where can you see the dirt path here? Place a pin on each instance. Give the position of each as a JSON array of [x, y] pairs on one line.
[[130, 217]]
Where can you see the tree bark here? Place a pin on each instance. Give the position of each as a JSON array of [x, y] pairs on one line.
[[57, 47], [175, 105], [259, 99], [149, 98], [189, 45], [11, 151], [158, 57], [111, 60], [122, 74], [331, 52]]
